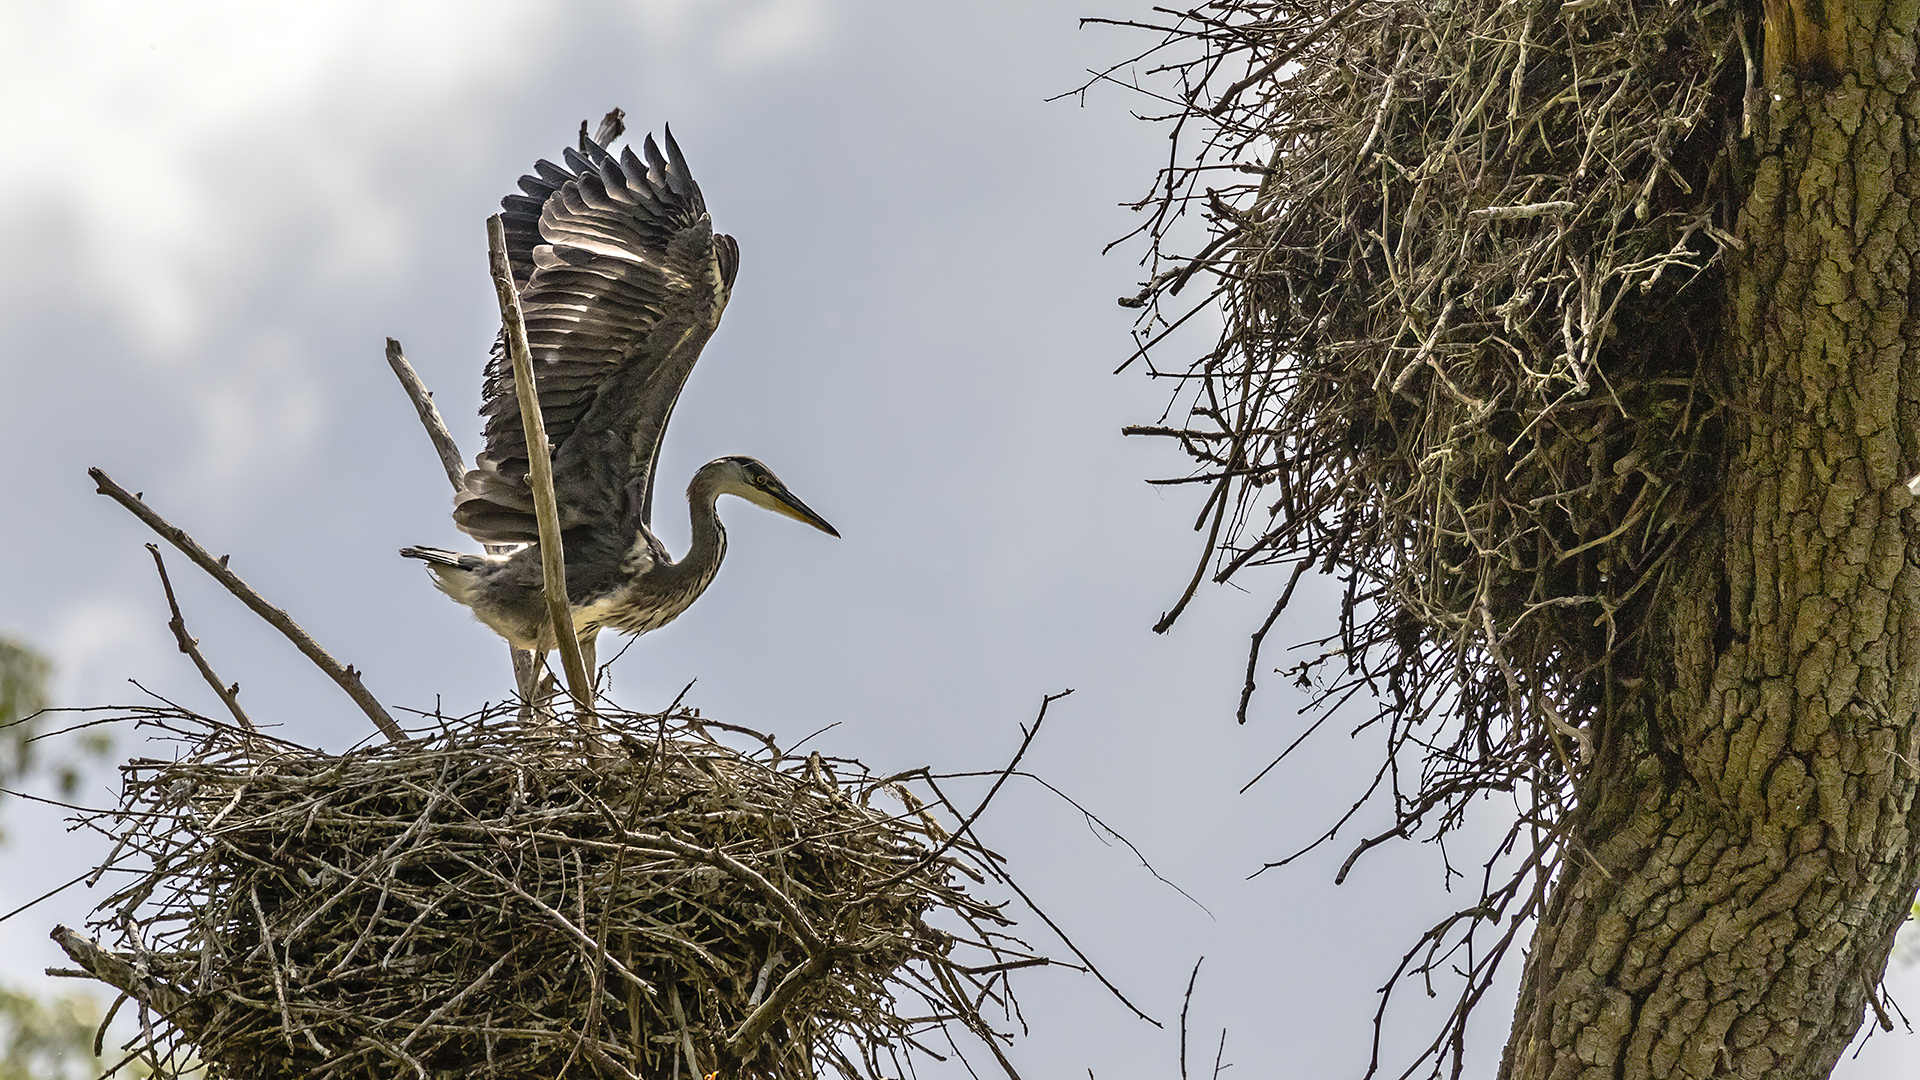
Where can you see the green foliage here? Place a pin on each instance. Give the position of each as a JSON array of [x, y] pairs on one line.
[[23, 694], [43, 1038], [50, 1038]]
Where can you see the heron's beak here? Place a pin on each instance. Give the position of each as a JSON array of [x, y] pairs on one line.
[[786, 502]]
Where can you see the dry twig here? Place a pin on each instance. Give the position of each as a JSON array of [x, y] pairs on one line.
[[346, 677], [229, 695], [523, 661], [430, 417], [539, 472]]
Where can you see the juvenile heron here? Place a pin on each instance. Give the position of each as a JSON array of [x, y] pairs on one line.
[[622, 280]]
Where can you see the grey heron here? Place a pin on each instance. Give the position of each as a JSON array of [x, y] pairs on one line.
[[622, 281]]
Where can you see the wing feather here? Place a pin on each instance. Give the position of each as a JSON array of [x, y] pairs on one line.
[[622, 281]]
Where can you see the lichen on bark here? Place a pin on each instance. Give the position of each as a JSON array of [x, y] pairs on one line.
[[1578, 340], [1740, 910]]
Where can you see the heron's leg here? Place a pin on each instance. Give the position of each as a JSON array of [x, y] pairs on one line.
[[535, 684], [524, 673], [523, 669], [589, 719]]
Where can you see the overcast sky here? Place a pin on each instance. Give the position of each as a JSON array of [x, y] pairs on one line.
[[216, 212]]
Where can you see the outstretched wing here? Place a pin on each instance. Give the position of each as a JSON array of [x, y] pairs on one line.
[[622, 281]]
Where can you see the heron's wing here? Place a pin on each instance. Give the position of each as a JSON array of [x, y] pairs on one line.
[[622, 281]]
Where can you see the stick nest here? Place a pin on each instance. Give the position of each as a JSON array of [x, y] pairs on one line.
[[1467, 260], [488, 901], [1470, 278]]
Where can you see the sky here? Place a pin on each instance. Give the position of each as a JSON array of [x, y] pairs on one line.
[[217, 212]]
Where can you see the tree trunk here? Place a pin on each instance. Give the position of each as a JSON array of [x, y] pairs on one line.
[[1741, 860]]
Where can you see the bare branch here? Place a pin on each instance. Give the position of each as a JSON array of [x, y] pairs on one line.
[[966, 823], [345, 676], [540, 472], [117, 971], [229, 695], [430, 418]]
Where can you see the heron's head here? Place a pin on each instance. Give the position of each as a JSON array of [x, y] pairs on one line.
[[746, 477]]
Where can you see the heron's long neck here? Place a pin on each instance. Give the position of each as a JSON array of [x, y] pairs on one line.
[[694, 570]]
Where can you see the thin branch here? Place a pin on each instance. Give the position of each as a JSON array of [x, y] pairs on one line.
[[430, 418], [588, 945], [345, 676], [1556, 208], [229, 695], [1266, 70], [117, 971], [450, 459], [763, 1017], [57, 889], [953, 837], [540, 471], [1186, 1002], [1206, 556], [790, 911], [1034, 906], [1260, 637]]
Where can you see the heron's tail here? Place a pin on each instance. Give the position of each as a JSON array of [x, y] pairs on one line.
[[454, 573], [442, 557]]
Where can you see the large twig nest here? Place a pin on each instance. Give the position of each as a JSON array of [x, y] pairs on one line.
[[490, 901], [1468, 261], [1468, 255]]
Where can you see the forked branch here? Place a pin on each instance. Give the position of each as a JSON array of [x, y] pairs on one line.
[[229, 695], [344, 675]]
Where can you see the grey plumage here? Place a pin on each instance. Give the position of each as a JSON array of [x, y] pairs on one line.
[[622, 281]]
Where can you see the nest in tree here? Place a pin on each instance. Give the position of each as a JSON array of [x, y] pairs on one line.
[[1469, 259], [492, 901], [1468, 256], [1473, 313]]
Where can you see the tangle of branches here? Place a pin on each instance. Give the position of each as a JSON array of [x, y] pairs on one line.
[[1465, 255]]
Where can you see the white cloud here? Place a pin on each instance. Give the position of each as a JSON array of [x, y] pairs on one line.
[[262, 416], [760, 34], [96, 641], [165, 138], [148, 127], [174, 157], [190, 178]]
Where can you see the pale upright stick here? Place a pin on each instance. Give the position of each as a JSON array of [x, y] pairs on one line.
[[540, 470]]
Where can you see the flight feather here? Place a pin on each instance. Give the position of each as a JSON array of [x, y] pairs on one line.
[[622, 280]]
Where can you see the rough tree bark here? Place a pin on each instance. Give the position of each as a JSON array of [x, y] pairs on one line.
[[1738, 867]]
